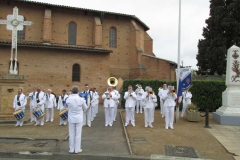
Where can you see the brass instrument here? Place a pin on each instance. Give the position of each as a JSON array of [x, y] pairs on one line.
[[112, 81], [108, 95], [150, 93], [159, 88], [130, 93]]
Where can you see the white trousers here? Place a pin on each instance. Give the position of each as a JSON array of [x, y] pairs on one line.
[[109, 112], [169, 116], [130, 115], [20, 121], [49, 113], [184, 109], [87, 117], [115, 112], [139, 106], [152, 110], [161, 106], [32, 117], [52, 116], [40, 121], [148, 116], [75, 136], [62, 121], [93, 113], [96, 108]]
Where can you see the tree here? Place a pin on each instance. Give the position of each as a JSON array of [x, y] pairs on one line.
[[221, 32]]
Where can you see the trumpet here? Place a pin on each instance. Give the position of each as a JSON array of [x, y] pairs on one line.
[[150, 93], [108, 95], [130, 93]]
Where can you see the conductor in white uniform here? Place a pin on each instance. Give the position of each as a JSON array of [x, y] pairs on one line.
[[130, 103], [75, 105]]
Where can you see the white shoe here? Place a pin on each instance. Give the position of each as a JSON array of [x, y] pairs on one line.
[[16, 125], [110, 125], [171, 127], [146, 126], [46, 121], [106, 125], [126, 124], [133, 125], [114, 120], [166, 127], [150, 126], [89, 125]]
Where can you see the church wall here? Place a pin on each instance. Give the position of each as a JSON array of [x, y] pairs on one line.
[[120, 57], [52, 68], [156, 68], [148, 44]]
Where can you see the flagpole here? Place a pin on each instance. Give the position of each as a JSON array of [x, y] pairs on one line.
[[179, 44]]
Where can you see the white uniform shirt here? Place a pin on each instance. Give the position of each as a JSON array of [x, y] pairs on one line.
[[162, 92], [139, 92], [95, 98], [41, 100], [111, 101], [60, 102], [169, 99], [150, 100], [19, 103], [130, 100], [31, 96], [187, 97], [75, 105], [50, 101]]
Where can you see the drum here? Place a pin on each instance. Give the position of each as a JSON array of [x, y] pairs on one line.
[[64, 114], [38, 113], [19, 114]]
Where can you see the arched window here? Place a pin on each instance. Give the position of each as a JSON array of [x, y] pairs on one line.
[[21, 33], [113, 37], [76, 73], [72, 33]]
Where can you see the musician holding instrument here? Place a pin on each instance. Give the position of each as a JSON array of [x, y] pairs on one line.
[[31, 104], [60, 107], [94, 103], [19, 103], [87, 95], [75, 106], [130, 97], [169, 105], [116, 102], [186, 99], [139, 92], [40, 100], [109, 103], [161, 92], [49, 105], [150, 99]]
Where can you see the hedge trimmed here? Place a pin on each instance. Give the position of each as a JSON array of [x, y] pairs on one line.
[[206, 94]]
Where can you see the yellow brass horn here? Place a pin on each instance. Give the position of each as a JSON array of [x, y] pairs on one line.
[[112, 81]]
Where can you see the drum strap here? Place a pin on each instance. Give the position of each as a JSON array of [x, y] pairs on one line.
[[18, 102], [37, 97]]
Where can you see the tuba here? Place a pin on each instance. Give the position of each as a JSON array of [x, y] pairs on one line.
[[112, 81]]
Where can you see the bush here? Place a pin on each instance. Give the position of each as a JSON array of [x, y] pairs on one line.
[[206, 94]]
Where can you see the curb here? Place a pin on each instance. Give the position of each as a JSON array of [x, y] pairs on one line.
[[125, 131]]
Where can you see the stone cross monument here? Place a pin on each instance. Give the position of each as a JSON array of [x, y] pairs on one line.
[[15, 23], [229, 112]]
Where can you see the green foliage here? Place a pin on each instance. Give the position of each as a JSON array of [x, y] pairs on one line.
[[221, 32], [206, 94]]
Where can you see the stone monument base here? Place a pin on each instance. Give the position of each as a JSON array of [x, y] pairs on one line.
[[232, 120]]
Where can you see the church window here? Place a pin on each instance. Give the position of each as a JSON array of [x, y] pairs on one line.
[[76, 73], [21, 33], [72, 33], [113, 37]]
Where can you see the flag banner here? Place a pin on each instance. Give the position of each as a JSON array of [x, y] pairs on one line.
[[184, 80]]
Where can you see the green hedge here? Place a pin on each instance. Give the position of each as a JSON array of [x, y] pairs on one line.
[[206, 94]]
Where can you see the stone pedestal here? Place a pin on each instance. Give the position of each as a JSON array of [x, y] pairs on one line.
[[9, 85], [229, 112]]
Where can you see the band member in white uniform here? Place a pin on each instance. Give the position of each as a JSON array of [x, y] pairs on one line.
[[19, 102], [31, 104], [116, 104], [109, 103], [186, 99], [49, 105], [150, 99], [94, 103], [162, 92], [75, 105], [139, 92], [169, 106], [130, 97], [60, 107], [87, 95], [40, 100]]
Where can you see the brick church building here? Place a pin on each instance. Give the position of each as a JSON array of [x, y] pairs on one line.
[[68, 45]]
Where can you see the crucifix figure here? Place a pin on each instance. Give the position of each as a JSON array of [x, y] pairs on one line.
[[15, 23]]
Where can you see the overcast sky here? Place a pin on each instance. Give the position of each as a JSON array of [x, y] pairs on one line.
[[161, 16]]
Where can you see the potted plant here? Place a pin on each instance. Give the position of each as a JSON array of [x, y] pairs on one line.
[[193, 114]]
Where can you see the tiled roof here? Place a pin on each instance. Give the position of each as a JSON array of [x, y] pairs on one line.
[[171, 62], [54, 46], [85, 9]]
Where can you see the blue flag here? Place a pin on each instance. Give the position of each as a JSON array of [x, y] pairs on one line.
[[185, 80]]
